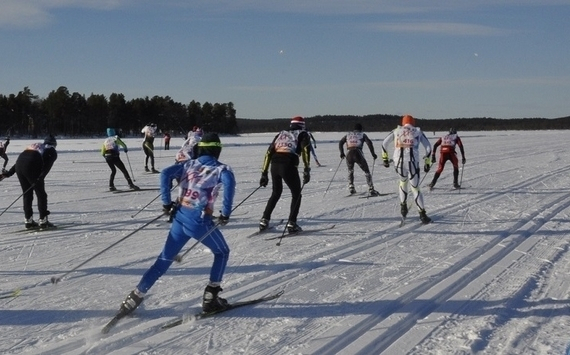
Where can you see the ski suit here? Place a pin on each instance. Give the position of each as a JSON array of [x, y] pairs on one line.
[[283, 156], [167, 141], [110, 151], [354, 143], [32, 166], [148, 144], [200, 182], [3, 147], [189, 149], [447, 152], [406, 140]]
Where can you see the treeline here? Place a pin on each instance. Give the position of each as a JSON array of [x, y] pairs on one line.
[[385, 123], [73, 114]]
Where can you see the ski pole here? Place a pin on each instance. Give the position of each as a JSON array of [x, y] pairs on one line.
[[179, 257], [55, 280], [6, 209], [297, 203], [333, 177], [129, 161]]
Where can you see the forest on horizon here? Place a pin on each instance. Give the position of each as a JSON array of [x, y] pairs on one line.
[[74, 115]]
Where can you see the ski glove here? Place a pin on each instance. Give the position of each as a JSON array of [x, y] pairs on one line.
[[2, 177], [264, 180], [433, 159], [427, 164], [306, 175], [342, 156], [374, 156], [463, 161], [386, 162], [126, 150], [169, 208], [223, 220]]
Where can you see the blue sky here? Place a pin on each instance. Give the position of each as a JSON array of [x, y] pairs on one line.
[[432, 59]]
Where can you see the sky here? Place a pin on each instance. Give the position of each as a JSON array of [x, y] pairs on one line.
[[490, 275], [278, 59]]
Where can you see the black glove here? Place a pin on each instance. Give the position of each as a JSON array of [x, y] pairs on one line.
[[264, 180], [126, 150], [342, 156], [2, 177], [168, 209], [306, 175], [223, 220], [433, 159], [386, 163], [374, 156], [463, 161], [427, 167]]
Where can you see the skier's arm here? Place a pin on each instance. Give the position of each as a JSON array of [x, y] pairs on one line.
[[370, 146], [385, 143], [49, 157], [166, 176], [425, 142], [268, 155], [341, 146], [460, 144], [437, 144], [305, 143], [229, 183], [121, 143]]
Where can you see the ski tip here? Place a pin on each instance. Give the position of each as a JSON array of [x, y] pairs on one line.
[[55, 280]]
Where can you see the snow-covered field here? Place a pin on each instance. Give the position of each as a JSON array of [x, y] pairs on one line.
[[490, 275]]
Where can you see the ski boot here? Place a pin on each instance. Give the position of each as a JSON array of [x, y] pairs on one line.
[[112, 188], [263, 224], [424, 218], [351, 189], [154, 171], [31, 224], [211, 302], [372, 192], [133, 300], [404, 209], [456, 185], [45, 224], [147, 169], [293, 227], [431, 185]]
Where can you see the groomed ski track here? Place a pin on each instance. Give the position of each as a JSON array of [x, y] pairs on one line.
[[377, 288]]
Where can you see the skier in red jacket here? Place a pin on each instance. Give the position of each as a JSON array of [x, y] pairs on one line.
[[448, 143]]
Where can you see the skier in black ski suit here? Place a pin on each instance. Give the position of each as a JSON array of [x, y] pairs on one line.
[[32, 166], [110, 150], [283, 155], [3, 147], [354, 142]]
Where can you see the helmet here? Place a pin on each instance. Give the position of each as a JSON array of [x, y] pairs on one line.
[[358, 127], [297, 122], [110, 132], [452, 131], [50, 140], [210, 145], [408, 119]]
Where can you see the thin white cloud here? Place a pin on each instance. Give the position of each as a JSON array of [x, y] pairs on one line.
[[37, 13], [443, 28]]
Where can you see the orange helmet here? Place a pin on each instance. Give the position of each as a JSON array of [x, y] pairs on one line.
[[408, 119]]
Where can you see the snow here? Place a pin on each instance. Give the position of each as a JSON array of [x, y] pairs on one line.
[[490, 275]]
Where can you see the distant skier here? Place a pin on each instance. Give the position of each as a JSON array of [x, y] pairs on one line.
[[313, 147], [3, 147], [149, 132], [354, 143], [166, 141], [448, 143], [201, 180], [110, 151], [283, 156], [189, 149], [407, 139], [32, 166]]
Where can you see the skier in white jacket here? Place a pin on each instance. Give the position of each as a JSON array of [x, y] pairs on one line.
[[407, 139]]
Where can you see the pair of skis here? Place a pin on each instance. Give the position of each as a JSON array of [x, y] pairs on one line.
[[201, 315]]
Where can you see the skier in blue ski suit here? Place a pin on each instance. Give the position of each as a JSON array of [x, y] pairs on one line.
[[200, 181]]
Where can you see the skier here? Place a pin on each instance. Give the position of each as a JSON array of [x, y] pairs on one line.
[[448, 143], [354, 142], [201, 180], [283, 155], [166, 141], [3, 147], [110, 151], [407, 139], [148, 146], [189, 149], [32, 166], [313, 147]]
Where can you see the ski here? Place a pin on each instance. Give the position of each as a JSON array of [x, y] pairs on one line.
[[120, 315], [375, 195], [268, 229], [304, 231], [10, 294], [135, 190], [402, 222], [187, 318]]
